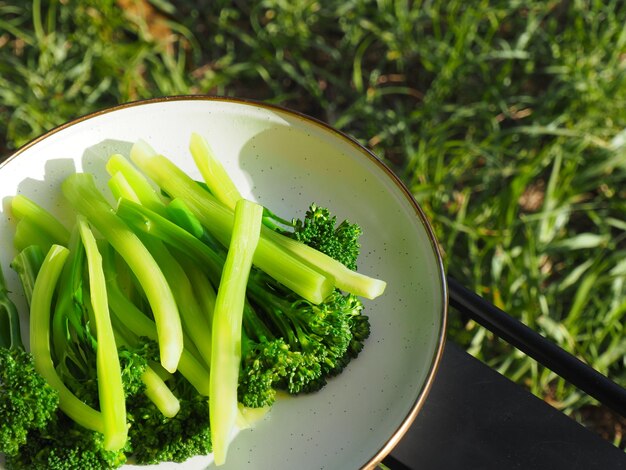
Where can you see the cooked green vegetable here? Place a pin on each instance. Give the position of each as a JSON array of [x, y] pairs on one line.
[[227, 319], [110, 388], [157, 325], [213, 172], [218, 219], [26, 209], [40, 340], [82, 193], [27, 402]]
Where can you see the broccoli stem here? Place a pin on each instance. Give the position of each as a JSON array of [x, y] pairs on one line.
[[110, 388], [141, 218], [140, 186], [120, 187], [254, 327], [213, 172], [180, 214], [195, 321], [275, 307], [159, 393], [82, 193], [27, 264], [345, 279], [69, 306], [24, 208], [10, 333], [28, 233], [222, 187], [203, 288], [139, 324], [155, 389], [227, 320], [43, 292], [190, 367], [218, 219]]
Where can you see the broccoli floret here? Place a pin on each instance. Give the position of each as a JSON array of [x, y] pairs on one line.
[[134, 362], [360, 328], [260, 371], [318, 341], [319, 230], [319, 334], [268, 364], [64, 445], [27, 402], [155, 438]]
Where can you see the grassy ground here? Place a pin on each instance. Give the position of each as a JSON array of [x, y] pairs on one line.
[[506, 119]]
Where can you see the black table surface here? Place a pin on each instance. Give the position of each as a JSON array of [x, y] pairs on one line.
[[474, 418]]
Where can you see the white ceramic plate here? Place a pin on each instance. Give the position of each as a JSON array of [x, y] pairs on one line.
[[285, 161]]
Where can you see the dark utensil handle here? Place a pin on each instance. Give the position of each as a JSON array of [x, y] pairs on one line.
[[539, 348]]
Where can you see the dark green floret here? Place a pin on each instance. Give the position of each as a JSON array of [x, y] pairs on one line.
[[155, 438], [319, 230], [320, 334], [27, 402], [64, 445]]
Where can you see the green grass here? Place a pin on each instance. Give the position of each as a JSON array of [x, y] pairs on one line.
[[506, 119]]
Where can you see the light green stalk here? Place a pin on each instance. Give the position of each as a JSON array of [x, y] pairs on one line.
[[218, 219], [40, 340], [10, 332], [227, 319], [203, 289], [222, 186], [159, 393], [345, 279], [133, 318], [141, 218], [195, 322], [120, 188], [27, 264], [213, 172], [110, 387], [82, 193], [155, 389], [24, 208], [28, 233], [137, 181], [140, 325]]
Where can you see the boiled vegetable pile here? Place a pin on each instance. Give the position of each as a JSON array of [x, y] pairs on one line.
[[163, 322]]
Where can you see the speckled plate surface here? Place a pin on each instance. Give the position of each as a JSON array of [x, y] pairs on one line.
[[285, 161]]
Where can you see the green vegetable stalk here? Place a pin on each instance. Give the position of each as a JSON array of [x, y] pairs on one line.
[[110, 388], [227, 321], [10, 334], [82, 193], [218, 219], [141, 326], [35, 220], [40, 340], [213, 172]]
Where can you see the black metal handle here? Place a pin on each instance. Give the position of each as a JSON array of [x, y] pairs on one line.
[[539, 348]]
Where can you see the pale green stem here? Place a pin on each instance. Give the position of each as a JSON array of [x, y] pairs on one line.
[[227, 320], [40, 309]]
